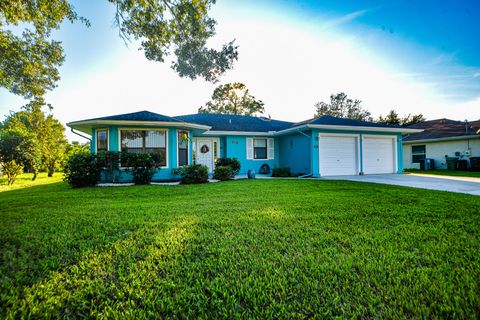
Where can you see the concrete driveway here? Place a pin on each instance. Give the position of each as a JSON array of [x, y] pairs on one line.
[[444, 183]]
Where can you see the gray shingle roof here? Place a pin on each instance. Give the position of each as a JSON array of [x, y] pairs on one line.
[[139, 116], [229, 122], [335, 121], [443, 128]]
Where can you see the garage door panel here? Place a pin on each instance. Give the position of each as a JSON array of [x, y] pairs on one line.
[[378, 155], [338, 155]]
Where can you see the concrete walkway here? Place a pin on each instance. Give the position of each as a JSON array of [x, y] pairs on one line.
[[443, 183]]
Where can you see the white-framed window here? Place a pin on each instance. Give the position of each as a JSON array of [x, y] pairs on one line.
[[102, 140], [418, 153], [182, 147], [145, 141], [260, 148]]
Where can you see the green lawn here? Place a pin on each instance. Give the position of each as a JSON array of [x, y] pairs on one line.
[[455, 173], [25, 181], [240, 249]]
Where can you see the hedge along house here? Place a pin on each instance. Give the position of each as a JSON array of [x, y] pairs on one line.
[[318, 147]]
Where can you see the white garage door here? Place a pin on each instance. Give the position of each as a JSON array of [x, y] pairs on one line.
[[338, 155], [378, 155]]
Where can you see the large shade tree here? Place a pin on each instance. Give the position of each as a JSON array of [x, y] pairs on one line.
[[174, 30], [233, 98], [343, 107]]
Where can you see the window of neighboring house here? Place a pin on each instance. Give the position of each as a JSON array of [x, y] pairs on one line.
[[145, 141], [259, 148], [418, 153], [182, 148], [102, 140]]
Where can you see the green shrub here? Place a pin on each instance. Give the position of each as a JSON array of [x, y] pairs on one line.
[[233, 163], [142, 166], [281, 172], [223, 173], [110, 162], [82, 170], [192, 174]]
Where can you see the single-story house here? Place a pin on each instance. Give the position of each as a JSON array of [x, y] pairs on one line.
[[440, 138], [323, 146]]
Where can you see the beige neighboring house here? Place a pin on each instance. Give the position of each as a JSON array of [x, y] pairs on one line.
[[440, 138]]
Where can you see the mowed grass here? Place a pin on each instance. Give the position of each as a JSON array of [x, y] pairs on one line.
[[25, 180], [454, 173], [240, 249]]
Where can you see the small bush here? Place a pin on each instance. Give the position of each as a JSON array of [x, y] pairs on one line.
[[233, 163], [110, 161], [82, 170], [281, 172], [223, 173], [192, 174], [142, 166]]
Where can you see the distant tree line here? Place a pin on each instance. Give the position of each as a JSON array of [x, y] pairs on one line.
[[343, 107]]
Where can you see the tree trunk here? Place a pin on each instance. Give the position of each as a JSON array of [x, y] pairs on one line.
[[35, 173], [51, 170]]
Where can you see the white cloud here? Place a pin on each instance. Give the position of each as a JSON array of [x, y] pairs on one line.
[[344, 19]]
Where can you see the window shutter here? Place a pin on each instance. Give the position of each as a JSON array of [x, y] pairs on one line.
[[249, 148], [270, 148]]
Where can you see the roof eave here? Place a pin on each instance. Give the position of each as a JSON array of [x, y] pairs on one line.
[[362, 128], [138, 123], [442, 139], [238, 133], [350, 128]]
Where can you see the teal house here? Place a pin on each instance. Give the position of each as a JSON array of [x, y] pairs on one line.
[[324, 146]]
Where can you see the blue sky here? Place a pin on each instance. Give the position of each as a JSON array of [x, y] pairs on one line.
[[414, 56]]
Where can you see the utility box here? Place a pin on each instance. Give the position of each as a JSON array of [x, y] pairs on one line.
[[475, 163], [427, 164]]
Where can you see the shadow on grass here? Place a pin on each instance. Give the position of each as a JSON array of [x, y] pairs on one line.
[[123, 277]]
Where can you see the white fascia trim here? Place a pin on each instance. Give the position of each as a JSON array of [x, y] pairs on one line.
[[360, 128], [349, 128], [238, 133], [442, 139], [139, 123]]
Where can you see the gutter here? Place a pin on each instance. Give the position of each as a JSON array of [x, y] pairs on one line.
[[349, 128], [442, 139], [81, 135]]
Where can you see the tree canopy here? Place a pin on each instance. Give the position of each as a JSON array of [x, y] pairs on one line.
[[46, 131], [18, 149], [343, 107], [29, 60], [233, 98], [393, 118]]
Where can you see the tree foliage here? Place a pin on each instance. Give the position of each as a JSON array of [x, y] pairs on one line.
[[47, 132], [393, 118], [233, 98], [29, 60], [343, 107], [19, 149]]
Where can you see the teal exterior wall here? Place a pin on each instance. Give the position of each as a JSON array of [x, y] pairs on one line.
[[93, 143], [298, 151], [400, 153], [295, 152], [236, 147], [315, 153], [162, 174]]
